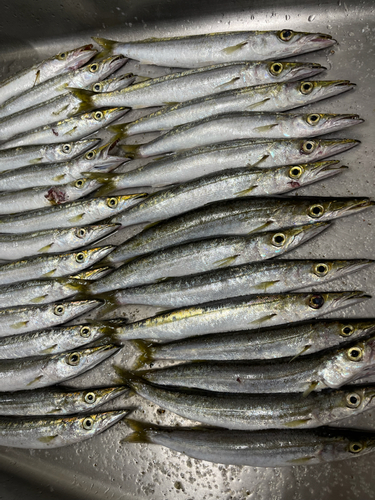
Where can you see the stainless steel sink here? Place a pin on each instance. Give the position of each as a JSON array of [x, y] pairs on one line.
[[102, 467]]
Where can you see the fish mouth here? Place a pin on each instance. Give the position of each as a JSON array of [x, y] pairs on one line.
[[354, 265], [358, 205], [336, 146], [89, 46], [306, 70], [327, 169], [321, 39], [305, 233], [110, 418], [347, 299], [342, 121], [102, 252], [104, 230], [114, 392], [117, 61]]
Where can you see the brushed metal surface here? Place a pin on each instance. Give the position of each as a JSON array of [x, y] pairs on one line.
[[102, 467]]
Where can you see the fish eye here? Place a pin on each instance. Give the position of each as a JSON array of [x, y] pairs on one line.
[[73, 358], [66, 148], [93, 68], [353, 400], [90, 398], [308, 147], [321, 269], [112, 202], [278, 239], [98, 115], [59, 310], [316, 211], [286, 35], [61, 56], [306, 87], [313, 119], [88, 423], [316, 301], [80, 257], [295, 172], [355, 447], [80, 232], [79, 183], [347, 330], [355, 353], [85, 331], [98, 87], [276, 68], [90, 155]]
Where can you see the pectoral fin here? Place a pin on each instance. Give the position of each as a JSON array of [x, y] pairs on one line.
[[265, 285], [297, 423], [263, 319], [49, 350], [257, 104], [224, 85], [47, 439], [226, 262], [245, 192], [311, 388], [306, 348], [234, 48], [19, 324], [300, 461], [260, 228], [36, 300], [45, 249], [49, 274], [265, 128], [77, 218], [264, 157], [35, 380]]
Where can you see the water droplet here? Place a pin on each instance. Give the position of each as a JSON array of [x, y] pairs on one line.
[[311, 18], [287, 17]]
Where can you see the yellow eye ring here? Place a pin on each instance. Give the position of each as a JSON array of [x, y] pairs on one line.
[[98, 115], [98, 87], [353, 400], [90, 155], [321, 269], [278, 239], [347, 330], [355, 354], [88, 423], [80, 257], [295, 172], [316, 211], [112, 202], [355, 447], [79, 183], [66, 148], [306, 87], [61, 56], [73, 358], [93, 68], [316, 301], [313, 119], [286, 35], [59, 310], [90, 398], [308, 147], [276, 68], [85, 332]]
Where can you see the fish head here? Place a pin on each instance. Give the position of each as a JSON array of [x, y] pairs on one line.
[[325, 302], [345, 443], [82, 236], [309, 150], [86, 258], [103, 117], [92, 274], [116, 204], [301, 175], [310, 91], [95, 397], [340, 331], [296, 42], [73, 59], [99, 70], [99, 159], [68, 150], [87, 426], [117, 83], [327, 270], [323, 209], [322, 123], [348, 402], [281, 71], [69, 310], [83, 186]]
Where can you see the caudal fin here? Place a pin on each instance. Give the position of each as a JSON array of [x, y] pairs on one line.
[[141, 431], [107, 45], [145, 353], [131, 150], [120, 130], [85, 98]]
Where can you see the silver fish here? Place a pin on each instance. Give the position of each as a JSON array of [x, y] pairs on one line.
[[54, 432], [111, 84], [254, 412], [54, 340], [92, 274], [97, 160], [260, 277], [51, 265], [68, 214], [246, 216], [23, 319], [291, 340], [271, 97], [212, 48], [56, 401], [240, 313], [56, 86], [19, 246], [11, 159], [190, 84], [232, 183], [69, 129], [205, 255], [265, 448], [44, 70], [183, 167], [242, 125]]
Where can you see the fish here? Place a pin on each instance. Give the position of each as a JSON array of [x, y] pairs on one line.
[[56, 401], [204, 255], [54, 432], [260, 153], [53, 265], [54, 87], [275, 276], [55, 340], [70, 129], [265, 448], [45, 70], [292, 340], [40, 197], [238, 217], [239, 313], [111, 84], [93, 274], [195, 51], [242, 125], [193, 83], [13, 158], [228, 184], [314, 372], [273, 97], [248, 412], [23, 319], [88, 211], [22, 245], [98, 159]]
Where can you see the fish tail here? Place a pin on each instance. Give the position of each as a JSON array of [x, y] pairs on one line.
[[145, 353], [76, 284], [131, 150], [107, 45], [85, 98], [110, 301], [128, 377], [107, 181], [120, 130], [140, 431]]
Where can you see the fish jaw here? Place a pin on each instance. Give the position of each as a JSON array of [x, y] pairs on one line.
[[307, 232], [81, 56], [305, 70], [319, 171], [335, 146]]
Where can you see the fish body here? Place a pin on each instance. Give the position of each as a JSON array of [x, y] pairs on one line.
[[111, 84], [201, 50], [273, 97], [243, 125], [240, 313], [70, 129], [236, 217], [228, 184], [190, 84], [19, 246], [265, 448], [66, 215], [13, 158], [183, 166], [45, 70]]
